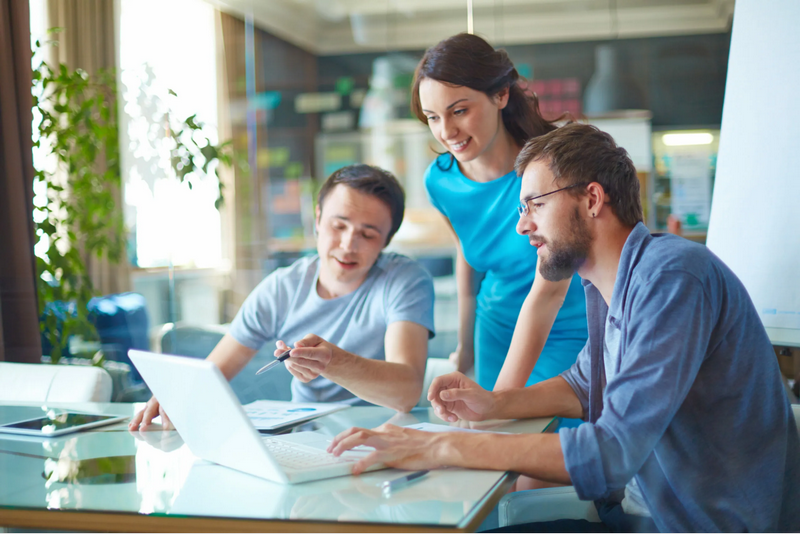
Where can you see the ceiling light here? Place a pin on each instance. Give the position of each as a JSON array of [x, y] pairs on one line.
[[684, 139]]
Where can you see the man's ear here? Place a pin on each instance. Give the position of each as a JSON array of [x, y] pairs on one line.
[[596, 199], [318, 214]]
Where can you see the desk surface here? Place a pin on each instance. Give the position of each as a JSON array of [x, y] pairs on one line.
[[114, 480]]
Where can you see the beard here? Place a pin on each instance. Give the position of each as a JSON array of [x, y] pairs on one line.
[[566, 255]]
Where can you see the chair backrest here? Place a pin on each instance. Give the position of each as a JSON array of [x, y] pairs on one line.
[[122, 324], [35, 382], [796, 410], [198, 342], [435, 367]]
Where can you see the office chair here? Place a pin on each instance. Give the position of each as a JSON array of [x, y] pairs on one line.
[[198, 341]]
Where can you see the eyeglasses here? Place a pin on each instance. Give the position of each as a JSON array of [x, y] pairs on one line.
[[523, 204]]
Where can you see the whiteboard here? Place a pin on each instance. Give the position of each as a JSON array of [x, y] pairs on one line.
[[754, 225]]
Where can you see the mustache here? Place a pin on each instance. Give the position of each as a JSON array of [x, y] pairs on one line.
[[537, 238]]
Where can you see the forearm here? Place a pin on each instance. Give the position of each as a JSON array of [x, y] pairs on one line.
[[466, 327], [535, 321], [535, 455], [465, 286], [393, 385], [230, 356], [553, 397]]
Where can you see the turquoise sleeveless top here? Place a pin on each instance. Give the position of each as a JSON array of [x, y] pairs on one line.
[[484, 216]]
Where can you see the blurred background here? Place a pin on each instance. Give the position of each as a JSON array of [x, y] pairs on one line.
[[287, 91]]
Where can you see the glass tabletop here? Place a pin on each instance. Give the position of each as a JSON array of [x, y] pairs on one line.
[[153, 474]]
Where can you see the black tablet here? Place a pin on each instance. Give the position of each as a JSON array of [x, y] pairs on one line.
[[56, 424]]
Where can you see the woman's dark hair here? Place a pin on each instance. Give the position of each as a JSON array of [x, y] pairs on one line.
[[372, 181], [467, 60]]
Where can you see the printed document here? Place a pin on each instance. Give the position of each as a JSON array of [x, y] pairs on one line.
[[272, 415]]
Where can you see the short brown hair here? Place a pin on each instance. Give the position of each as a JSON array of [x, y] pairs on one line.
[[581, 153], [373, 181]]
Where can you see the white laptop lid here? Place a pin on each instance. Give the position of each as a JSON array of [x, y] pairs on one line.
[[206, 412]]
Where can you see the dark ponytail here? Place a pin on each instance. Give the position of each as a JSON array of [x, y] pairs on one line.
[[467, 60]]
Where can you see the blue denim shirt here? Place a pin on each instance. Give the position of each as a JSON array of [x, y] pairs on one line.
[[696, 411]]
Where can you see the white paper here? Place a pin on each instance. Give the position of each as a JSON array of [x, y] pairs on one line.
[[270, 415], [691, 188]]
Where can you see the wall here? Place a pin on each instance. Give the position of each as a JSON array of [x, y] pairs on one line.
[[682, 78]]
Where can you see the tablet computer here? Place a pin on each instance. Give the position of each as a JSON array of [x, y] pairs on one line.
[[57, 424]]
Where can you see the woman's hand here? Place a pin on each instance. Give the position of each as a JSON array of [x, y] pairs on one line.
[[463, 359]]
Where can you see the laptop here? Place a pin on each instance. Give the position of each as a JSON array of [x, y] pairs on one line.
[[213, 424]]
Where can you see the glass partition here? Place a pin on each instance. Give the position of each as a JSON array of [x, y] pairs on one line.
[[231, 114]]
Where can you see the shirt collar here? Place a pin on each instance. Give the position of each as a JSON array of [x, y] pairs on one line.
[[631, 252]]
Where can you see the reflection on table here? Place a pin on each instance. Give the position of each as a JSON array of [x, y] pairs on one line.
[[139, 474]]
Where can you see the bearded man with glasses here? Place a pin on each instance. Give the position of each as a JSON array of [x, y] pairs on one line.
[[687, 425]]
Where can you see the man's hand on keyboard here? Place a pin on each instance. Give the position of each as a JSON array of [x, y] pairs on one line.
[[395, 446]]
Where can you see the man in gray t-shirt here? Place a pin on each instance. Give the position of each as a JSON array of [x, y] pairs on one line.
[[287, 306], [358, 319]]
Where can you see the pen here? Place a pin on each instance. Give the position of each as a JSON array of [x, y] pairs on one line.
[[270, 365], [389, 486]]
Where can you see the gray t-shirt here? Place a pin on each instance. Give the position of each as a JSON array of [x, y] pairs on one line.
[[286, 306]]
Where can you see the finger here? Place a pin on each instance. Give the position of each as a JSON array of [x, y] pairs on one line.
[[140, 415], [444, 409], [305, 365], [443, 382], [360, 437], [310, 340], [314, 353], [281, 348], [308, 361], [165, 420], [308, 373], [445, 413], [150, 411], [372, 458], [136, 420], [437, 385], [341, 435], [456, 394], [300, 373]]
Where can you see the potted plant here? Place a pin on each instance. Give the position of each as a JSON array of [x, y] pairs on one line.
[[77, 184]]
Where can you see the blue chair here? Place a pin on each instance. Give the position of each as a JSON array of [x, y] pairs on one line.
[[122, 324]]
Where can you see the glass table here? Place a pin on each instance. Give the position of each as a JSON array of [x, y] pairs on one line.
[[111, 479]]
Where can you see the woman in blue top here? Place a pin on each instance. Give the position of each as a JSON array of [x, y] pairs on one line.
[[467, 93]]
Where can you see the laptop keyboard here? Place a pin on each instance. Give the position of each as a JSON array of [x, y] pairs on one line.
[[297, 456]]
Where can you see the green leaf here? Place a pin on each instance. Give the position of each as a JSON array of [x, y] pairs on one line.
[[192, 123]]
